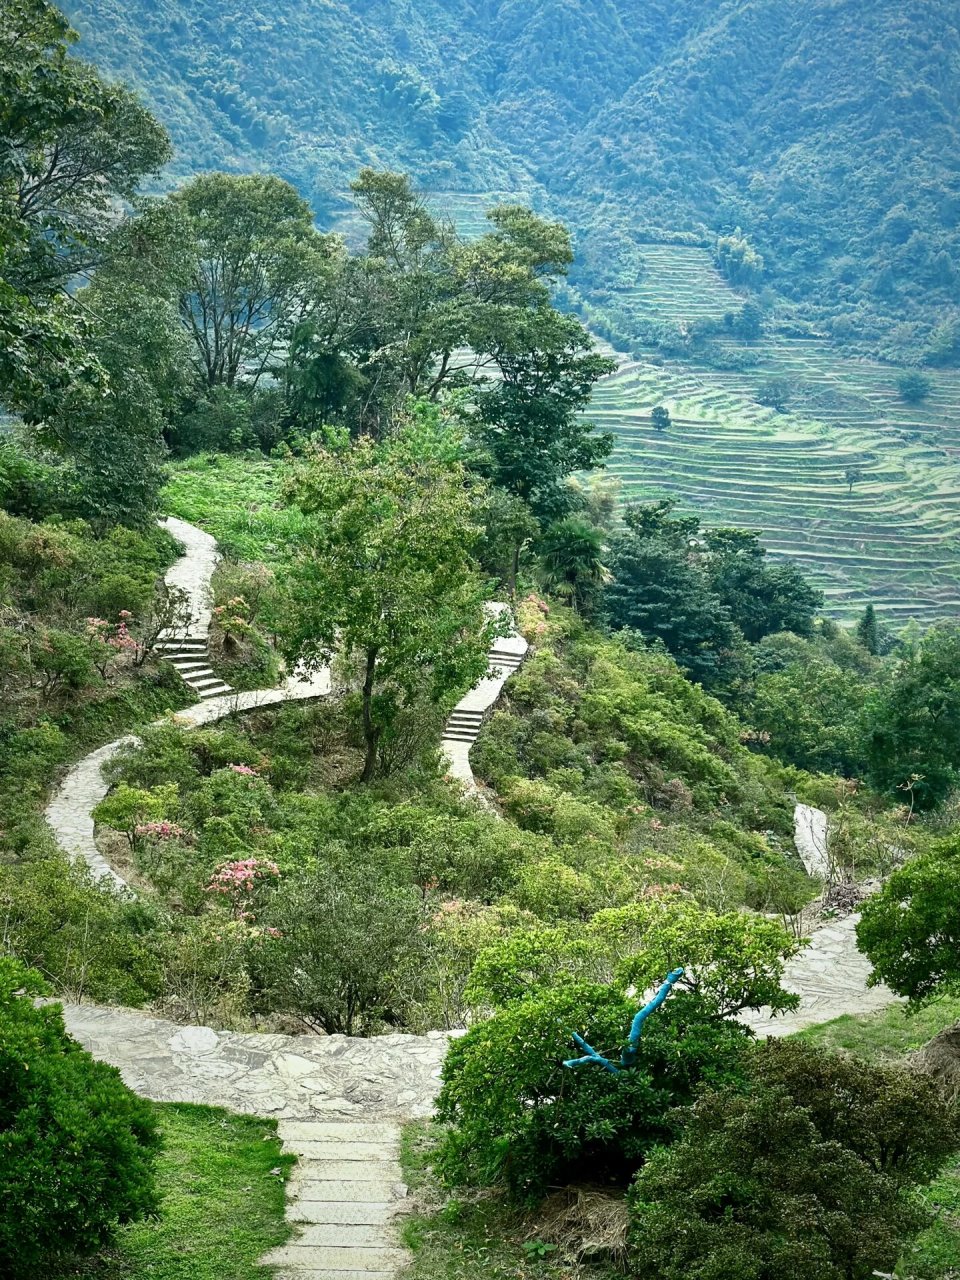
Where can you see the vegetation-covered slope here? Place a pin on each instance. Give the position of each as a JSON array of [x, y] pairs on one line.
[[826, 131]]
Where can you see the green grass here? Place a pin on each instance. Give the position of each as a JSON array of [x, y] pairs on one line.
[[884, 1037], [236, 497], [887, 1035], [476, 1238], [222, 1181]]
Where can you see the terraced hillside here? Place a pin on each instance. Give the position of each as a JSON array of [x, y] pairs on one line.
[[894, 539]]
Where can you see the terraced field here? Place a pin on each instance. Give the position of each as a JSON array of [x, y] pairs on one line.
[[893, 540]]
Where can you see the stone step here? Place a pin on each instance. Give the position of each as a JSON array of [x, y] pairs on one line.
[[332, 1130], [346, 1190], [461, 735], [307, 1259], [200, 678], [199, 663], [471, 717], [182, 643], [314, 1273], [326, 1149], [216, 691], [196, 675], [340, 1213], [345, 1236], [340, 1170]]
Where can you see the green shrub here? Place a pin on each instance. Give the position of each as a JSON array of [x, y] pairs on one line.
[[336, 940], [76, 1146], [518, 1118], [86, 940], [805, 1175]]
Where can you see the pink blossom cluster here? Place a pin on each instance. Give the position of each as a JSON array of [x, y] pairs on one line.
[[117, 637], [244, 769], [159, 830], [660, 890], [242, 876]]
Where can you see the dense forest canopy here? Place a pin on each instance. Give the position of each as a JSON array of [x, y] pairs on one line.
[[825, 131]]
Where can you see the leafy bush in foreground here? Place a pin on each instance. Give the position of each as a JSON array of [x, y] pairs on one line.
[[520, 1119], [76, 1146], [806, 1175]]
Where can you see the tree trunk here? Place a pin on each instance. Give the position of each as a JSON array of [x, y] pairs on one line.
[[371, 733], [514, 569]]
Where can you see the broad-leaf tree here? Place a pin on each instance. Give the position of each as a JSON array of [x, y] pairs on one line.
[[256, 265], [911, 929], [384, 575], [912, 724]]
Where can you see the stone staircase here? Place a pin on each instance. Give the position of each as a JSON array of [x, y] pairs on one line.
[[191, 657], [465, 721], [342, 1198]]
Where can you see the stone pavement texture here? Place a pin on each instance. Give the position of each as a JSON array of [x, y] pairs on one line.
[[810, 837], [340, 1102]]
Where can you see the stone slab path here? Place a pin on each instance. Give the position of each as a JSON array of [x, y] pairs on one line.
[[340, 1102], [463, 727]]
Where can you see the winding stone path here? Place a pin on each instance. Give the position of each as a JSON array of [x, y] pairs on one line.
[[463, 726], [340, 1102]]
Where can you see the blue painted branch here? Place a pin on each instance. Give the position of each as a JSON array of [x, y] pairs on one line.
[[629, 1056]]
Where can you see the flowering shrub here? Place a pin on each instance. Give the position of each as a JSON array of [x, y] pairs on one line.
[[160, 831], [239, 881]]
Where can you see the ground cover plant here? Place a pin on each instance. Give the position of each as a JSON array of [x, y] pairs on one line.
[[221, 1189]]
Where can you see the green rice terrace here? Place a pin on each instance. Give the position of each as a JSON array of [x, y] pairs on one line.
[[891, 538]]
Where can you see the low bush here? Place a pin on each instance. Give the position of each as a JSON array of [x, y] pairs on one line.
[[518, 1118], [77, 1148], [807, 1173]]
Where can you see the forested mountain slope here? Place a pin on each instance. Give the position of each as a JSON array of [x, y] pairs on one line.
[[827, 130]]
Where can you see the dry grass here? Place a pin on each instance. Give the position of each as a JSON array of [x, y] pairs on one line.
[[584, 1223]]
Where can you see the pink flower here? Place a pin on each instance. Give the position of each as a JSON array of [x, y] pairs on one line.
[[159, 830], [244, 769]]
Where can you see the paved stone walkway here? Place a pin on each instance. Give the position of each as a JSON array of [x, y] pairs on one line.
[[463, 726], [340, 1102], [810, 837]]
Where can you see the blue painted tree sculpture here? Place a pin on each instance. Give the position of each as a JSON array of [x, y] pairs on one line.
[[629, 1056]]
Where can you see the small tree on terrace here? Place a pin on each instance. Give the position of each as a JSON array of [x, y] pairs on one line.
[[384, 573], [851, 476], [660, 418]]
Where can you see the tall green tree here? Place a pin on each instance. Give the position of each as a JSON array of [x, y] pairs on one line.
[[71, 148], [912, 724], [256, 265], [763, 598], [659, 590], [868, 630], [383, 574]]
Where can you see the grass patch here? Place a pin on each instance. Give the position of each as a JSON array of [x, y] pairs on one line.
[[222, 1181], [886, 1035], [237, 497], [473, 1238]]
